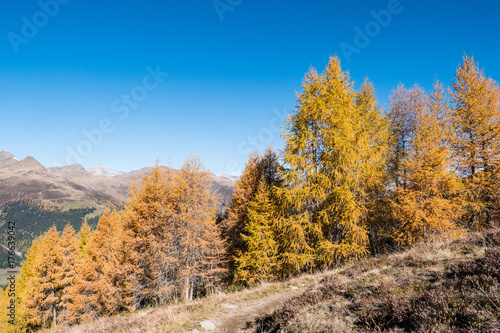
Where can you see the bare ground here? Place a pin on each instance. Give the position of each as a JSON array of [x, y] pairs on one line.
[[229, 312], [242, 319]]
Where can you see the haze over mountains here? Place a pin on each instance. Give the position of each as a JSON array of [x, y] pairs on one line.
[[28, 178]]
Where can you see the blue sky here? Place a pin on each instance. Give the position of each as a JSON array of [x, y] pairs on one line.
[[66, 67]]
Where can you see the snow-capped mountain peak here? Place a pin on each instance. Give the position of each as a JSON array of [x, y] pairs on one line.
[[6, 155], [227, 176], [101, 170]]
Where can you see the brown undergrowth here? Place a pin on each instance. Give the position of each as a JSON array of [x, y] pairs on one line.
[[445, 287], [451, 286]]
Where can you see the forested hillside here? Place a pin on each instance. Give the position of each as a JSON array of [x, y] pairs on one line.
[[34, 218], [4, 263]]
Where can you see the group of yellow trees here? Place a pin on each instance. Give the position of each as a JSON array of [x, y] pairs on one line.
[[350, 180], [165, 246], [354, 180]]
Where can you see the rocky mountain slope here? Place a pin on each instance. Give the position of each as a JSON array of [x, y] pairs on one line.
[[27, 178]]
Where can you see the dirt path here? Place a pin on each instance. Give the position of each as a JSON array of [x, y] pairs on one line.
[[239, 319], [237, 312]]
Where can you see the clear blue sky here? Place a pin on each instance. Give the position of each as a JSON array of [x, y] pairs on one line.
[[228, 80]]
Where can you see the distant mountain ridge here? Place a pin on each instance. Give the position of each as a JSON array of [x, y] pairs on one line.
[[101, 170], [230, 177], [28, 178]]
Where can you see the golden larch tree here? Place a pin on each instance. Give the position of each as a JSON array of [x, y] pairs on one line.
[[326, 178], [40, 288], [201, 248], [27, 273], [66, 273], [259, 168], [244, 191], [175, 244], [261, 259], [404, 105], [374, 198], [97, 290], [475, 120], [84, 236], [429, 204], [148, 224]]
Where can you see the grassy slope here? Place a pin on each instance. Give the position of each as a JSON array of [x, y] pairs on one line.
[[99, 208], [443, 286], [4, 275]]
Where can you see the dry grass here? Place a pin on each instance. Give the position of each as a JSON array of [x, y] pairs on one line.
[[187, 317], [389, 293], [446, 286]]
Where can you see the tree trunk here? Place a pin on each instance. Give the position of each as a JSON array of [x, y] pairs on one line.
[[55, 315], [186, 290]]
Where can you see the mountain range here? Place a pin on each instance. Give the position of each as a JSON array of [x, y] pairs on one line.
[[27, 178]]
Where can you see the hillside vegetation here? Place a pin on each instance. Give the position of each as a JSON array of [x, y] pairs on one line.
[[445, 286], [33, 219], [350, 183]]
